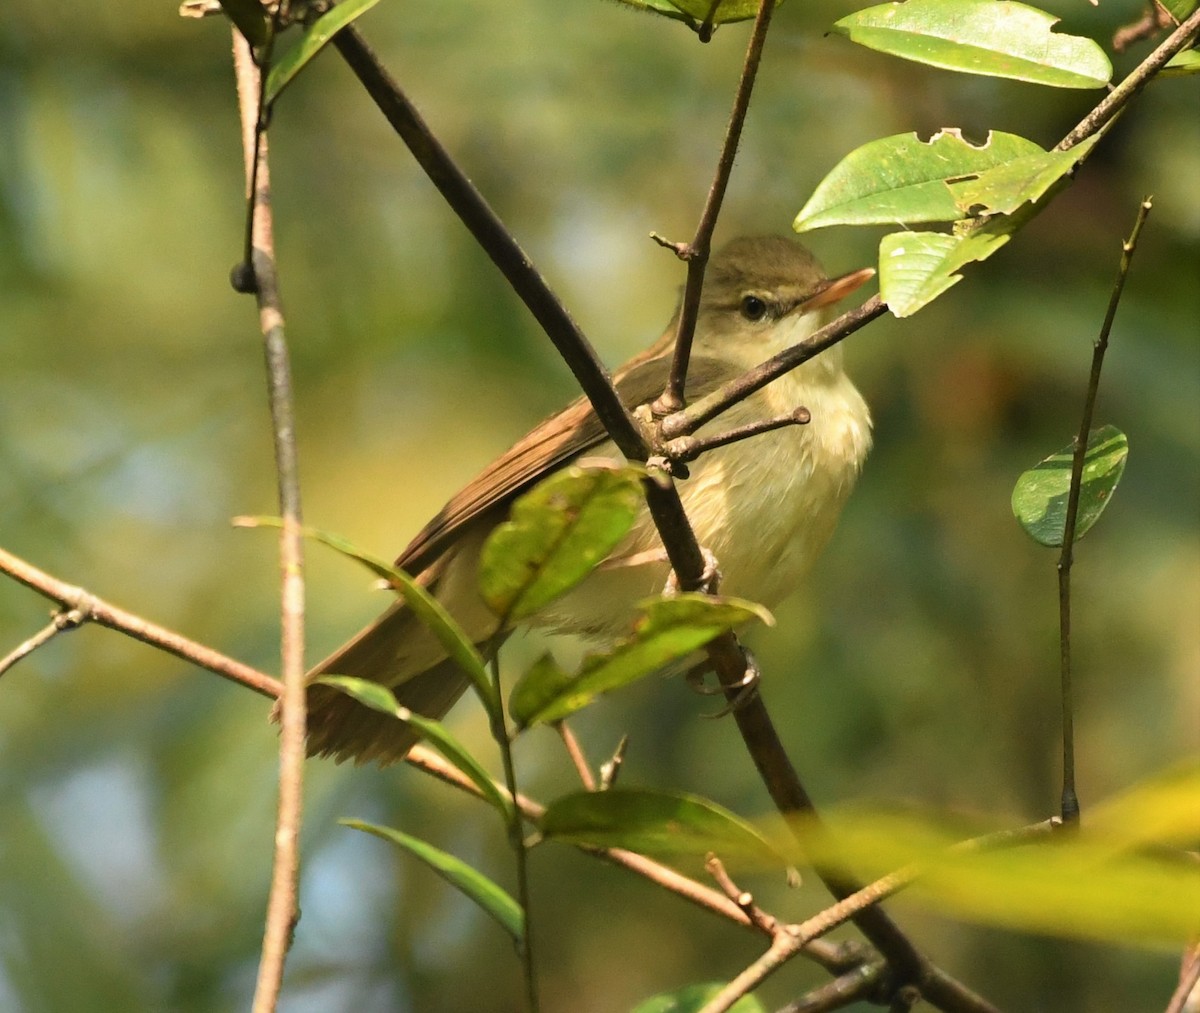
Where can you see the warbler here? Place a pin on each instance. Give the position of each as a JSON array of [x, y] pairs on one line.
[[763, 507]]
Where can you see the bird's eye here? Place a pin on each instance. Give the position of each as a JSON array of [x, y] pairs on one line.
[[753, 308]]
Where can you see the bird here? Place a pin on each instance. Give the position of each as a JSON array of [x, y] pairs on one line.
[[763, 508]]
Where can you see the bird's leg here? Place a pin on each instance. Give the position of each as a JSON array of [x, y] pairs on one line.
[[746, 688], [709, 579]]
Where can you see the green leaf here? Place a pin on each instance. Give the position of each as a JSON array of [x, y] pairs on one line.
[[693, 998], [902, 179], [1187, 62], [249, 17], [997, 38], [1163, 810], [425, 607], [557, 533], [1039, 499], [487, 894], [917, 267], [666, 825], [1006, 187], [380, 698], [1180, 9], [670, 629], [312, 41], [536, 691], [694, 12], [1072, 884]]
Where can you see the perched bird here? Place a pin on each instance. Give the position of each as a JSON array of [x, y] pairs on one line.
[[764, 507]]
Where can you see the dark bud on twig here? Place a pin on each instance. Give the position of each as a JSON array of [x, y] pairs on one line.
[[242, 278]]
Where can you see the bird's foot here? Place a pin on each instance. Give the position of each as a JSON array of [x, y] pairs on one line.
[[743, 691], [710, 579]]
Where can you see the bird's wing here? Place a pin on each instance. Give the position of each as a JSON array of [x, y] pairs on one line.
[[567, 434]]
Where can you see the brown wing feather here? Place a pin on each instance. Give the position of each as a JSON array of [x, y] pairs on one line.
[[565, 435]]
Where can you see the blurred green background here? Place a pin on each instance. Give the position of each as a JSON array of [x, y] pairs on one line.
[[917, 668]]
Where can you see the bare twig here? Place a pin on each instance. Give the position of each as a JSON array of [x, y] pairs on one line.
[[282, 904], [1115, 100], [695, 415], [855, 984], [687, 448], [1070, 800], [1189, 983], [67, 619], [697, 251], [575, 752], [1154, 20], [101, 612]]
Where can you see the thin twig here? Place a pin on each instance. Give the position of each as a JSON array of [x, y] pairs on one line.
[[696, 253], [1115, 100], [282, 904], [103, 613], [67, 619], [1070, 799], [856, 984], [1189, 981], [687, 448], [706, 408], [575, 752]]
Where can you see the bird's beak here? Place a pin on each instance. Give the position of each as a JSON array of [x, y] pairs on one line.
[[836, 289]]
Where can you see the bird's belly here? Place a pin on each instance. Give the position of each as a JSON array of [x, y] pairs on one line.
[[764, 507]]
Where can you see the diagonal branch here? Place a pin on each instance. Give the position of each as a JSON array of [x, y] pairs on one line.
[[103, 613], [1115, 100]]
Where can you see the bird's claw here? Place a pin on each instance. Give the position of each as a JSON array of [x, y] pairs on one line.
[[743, 691], [710, 579]]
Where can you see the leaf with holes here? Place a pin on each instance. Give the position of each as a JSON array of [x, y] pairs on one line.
[[903, 179]]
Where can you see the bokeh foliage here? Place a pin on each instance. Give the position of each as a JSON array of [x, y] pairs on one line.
[[918, 666]]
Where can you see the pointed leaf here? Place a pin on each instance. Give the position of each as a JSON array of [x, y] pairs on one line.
[[249, 17], [1187, 62], [1039, 499], [902, 179], [380, 698], [557, 533], [425, 607], [693, 998], [543, 683], [487, 894], [997, 38], [1161, 811], [671, 629], [667, 825], [314, 39]]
